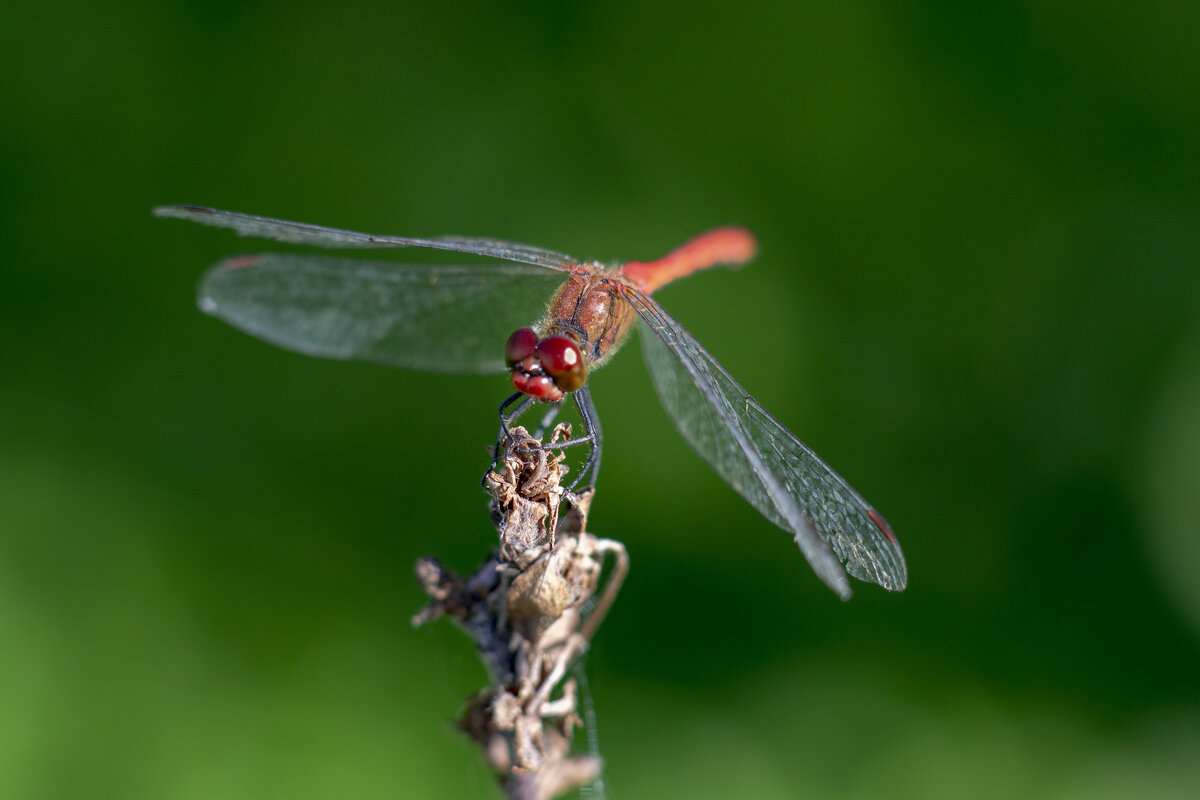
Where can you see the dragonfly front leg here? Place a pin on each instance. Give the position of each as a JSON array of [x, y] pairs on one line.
[[591, 428], [591, 436], [520, 403], [507, 417]]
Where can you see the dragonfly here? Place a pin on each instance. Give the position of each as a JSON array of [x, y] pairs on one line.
[[454, 319]]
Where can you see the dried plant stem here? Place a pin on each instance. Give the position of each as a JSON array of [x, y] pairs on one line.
[[525, 610]]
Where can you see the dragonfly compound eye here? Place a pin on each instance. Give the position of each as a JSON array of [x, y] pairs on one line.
[[519, 346], [561, 359]]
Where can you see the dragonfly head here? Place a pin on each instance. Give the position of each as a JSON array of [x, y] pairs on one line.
[[544, 369]]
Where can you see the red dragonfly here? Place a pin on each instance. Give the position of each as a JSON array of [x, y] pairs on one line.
[[453, 318]]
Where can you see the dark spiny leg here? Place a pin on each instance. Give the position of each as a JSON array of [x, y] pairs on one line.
[[591, 430], [591, 427], [507, 418], [591, 436]]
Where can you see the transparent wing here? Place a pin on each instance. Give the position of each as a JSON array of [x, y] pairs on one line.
[[321, 236], [776, 472], [442, 319]]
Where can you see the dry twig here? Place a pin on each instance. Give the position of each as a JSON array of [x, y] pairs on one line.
[[525, 610]]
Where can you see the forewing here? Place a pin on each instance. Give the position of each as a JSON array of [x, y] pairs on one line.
[[776, 472], [320, 236], [437, 318]]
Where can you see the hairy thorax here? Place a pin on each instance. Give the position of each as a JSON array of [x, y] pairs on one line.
[[591, 309]]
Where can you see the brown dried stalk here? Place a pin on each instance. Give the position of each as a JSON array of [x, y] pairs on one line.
[[525, 610]]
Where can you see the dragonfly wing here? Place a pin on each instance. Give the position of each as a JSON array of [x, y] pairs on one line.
[[776, 472], [437, 318], [320, 236]]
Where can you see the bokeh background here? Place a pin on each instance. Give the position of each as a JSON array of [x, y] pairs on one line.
[[976, 297]]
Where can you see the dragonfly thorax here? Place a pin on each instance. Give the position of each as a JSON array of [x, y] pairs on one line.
[[545, 369]]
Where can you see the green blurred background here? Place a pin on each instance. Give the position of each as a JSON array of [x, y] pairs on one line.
[[976, 297]]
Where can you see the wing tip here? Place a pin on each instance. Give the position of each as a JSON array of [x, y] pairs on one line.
[[843, 590], [892, 579], [209, 288]]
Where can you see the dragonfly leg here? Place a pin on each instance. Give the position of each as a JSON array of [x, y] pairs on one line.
[[591, 428], [520, 403], [509, 417], [591, 436]]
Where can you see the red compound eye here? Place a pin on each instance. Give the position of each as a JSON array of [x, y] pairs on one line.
[[519, 346], [561, 359]]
